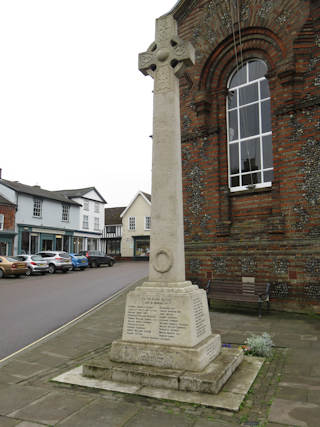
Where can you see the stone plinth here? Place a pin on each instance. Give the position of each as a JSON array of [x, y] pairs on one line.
[[209, 380], [171, 357], [167, 327]]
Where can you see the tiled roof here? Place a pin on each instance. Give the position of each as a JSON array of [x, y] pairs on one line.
[[112, 215], [37, 191], [80, 192]]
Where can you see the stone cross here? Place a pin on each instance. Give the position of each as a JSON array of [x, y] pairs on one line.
[[166, 60], [166, 322]]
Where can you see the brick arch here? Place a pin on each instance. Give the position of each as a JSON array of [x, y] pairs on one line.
[[256, 43]]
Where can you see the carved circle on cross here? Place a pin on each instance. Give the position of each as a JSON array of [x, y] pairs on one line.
[[162, 261], [163, 54]]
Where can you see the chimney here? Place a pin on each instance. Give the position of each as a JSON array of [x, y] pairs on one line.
[[0, 173]]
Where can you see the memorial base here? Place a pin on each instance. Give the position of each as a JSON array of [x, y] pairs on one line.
[[170, 357], [209, 380]]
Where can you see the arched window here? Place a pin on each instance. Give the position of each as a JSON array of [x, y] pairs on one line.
[[249, 128]]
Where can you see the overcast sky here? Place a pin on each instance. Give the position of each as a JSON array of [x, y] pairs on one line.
[[74, 109]]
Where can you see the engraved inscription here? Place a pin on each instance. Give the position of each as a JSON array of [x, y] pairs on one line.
[[199, 316], [155, 318]]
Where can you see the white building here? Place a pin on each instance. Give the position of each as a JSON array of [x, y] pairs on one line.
[[44, 220], [91, 218], [136, 226]]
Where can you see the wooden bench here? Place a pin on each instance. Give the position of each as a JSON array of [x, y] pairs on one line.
[[235, 290]]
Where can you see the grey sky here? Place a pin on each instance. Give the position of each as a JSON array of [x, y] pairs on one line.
[[74, 109]]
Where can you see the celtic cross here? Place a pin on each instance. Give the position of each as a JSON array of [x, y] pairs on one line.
[[167, 55], [166, 60]]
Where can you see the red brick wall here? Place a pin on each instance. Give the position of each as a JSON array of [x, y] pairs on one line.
[[272, 234], [9, 213]]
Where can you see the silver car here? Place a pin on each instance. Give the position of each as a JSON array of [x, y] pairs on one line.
[[57, 260], [35, 263]]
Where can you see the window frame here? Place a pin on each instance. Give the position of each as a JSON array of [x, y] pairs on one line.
[[147, 223], [96, 224], [1, 222], [132, 223], [37, 201], [65, 215], [96, 207], [239, 141], [85, 223], [86, 205]]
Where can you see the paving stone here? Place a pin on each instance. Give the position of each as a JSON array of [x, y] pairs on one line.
[[292, 394], [147, 418], [314, 396], [102, 413], [52, 408], [295, 413], [21, 369], [8, 422], [14, 397]]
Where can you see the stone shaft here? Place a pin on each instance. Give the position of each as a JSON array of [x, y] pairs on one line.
[[165, 61]]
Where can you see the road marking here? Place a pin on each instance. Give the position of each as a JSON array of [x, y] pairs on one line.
[[69, 323]]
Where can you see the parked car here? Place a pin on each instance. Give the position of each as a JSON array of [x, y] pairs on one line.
[[35, 263], [9, 266], [97, 258], [79, 261], [57, 260]]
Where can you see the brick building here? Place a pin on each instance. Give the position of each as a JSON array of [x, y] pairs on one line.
[[250, 144], [7, 226]]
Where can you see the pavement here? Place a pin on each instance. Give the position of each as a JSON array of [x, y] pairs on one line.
[[286, 391]]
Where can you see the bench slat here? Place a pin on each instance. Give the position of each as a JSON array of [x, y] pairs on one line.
[[236, 290]]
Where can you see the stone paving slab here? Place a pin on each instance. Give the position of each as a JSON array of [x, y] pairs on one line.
[[14, 397], [295, 413], [101, 413], [52, 408]]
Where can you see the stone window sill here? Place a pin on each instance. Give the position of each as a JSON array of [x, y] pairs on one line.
[[250, 191]]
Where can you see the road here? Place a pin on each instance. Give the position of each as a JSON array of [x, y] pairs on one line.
[[32, 307]]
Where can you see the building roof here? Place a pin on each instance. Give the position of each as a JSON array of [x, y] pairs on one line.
[[37, 191], [145, 196], [4, 201], [80, 192], [112, 215]]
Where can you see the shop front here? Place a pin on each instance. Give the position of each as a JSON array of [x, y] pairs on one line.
[[32, 240], [141, 247]]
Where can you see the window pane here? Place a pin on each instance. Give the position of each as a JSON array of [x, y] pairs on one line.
[[264, 89], [267, 151], [266, 116], [232, 99], [250, 155], [233, 125], [239, 78], [248, 94], [249, 121], [234, 159], [257, 69], [235, 181], [251, 178], [268, 176]]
